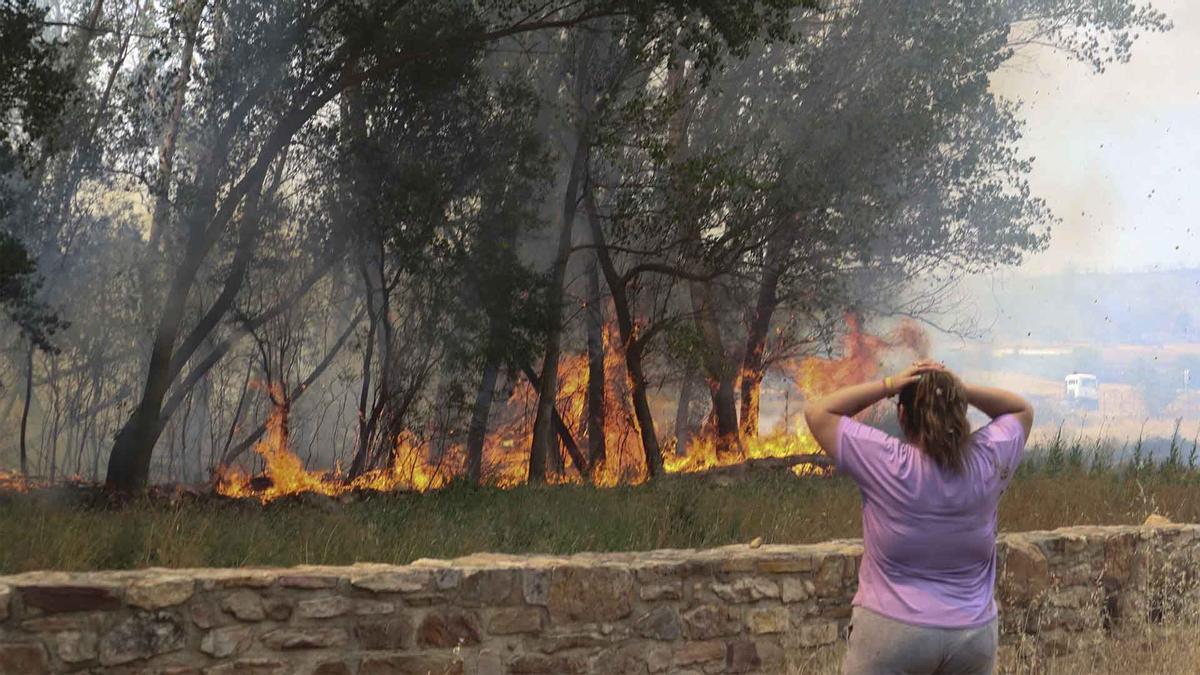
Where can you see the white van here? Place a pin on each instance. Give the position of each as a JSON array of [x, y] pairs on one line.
[[1082, 390]]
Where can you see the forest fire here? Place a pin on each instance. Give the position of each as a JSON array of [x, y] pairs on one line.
[[415, 468], [13, 481]]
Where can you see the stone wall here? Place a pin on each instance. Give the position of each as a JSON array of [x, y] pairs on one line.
[[735, 609]]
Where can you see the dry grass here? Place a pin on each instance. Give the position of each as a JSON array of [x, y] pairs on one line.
[[680, 513]]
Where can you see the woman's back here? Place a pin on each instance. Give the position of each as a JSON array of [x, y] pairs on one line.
[[929, 531]]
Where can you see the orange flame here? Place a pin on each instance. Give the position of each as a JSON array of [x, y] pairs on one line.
[[14, 481], [506, 449]]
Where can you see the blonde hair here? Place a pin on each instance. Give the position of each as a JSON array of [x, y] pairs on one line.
[[935, 418]]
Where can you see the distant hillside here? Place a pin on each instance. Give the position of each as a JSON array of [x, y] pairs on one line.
[[1134, 308]]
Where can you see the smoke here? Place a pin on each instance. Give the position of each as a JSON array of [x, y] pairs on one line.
[[1115, 151]]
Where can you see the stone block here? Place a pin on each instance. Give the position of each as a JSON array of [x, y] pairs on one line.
[[552, 644], [489, 662], [160, 592], [391, 633], [448, 628], [250, 666], [241, 579], [590, 594], [488, 588], [712, 621], [308, 581], [447, 579], [277, 608], [1118, 556], [692, 653], [515, 620], [24, 658], [64, 598], [535, 586], [741, 656], [227, 641], [747, 589], [287, 639], [75, 646], [400, 581], [795, 589], [411, 664], [142, 636], [790, 564], [536, 664], [244, 605], [660, 623], [1026, 572], [364, 607], [671, 590], [205, 613], [323, 607], [765, 620], [334, 668], [829, 581]]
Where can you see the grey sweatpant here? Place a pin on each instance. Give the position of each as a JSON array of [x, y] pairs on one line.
[[883, 646]]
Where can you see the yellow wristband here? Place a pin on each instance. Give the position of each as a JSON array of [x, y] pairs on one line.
[[887, 386]]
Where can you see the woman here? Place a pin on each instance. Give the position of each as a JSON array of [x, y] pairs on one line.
[[924, 602]]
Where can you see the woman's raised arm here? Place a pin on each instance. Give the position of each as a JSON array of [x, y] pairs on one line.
[[994, 402]]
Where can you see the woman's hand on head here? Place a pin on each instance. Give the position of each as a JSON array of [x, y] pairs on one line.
[[913, 372]]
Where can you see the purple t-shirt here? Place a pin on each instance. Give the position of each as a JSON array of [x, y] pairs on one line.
[[929, 534]]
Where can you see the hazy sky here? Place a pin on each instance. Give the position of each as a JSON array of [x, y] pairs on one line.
[[1118, 154]]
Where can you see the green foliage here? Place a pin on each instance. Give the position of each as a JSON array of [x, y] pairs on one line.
[[34, 86], [19, 284]]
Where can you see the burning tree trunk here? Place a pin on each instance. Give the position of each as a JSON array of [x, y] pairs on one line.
[[477, 431], [596, 378], [561, 429], [683, 412], [543, 427], [719, 369], [631, 342]]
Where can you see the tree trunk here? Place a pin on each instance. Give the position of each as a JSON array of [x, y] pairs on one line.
[[718, 368], [561, 429], [683, 413], [166, 151], [543, 427], [133, 448], [596, 374], [25, 410], [753, 364], [477, 431], [631, 343]]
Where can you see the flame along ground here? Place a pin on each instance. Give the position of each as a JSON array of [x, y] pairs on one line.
[[505, 452]]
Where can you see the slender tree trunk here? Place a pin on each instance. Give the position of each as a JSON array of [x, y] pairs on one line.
[[632, 343], [719, 369], [477, 431], [166, 151], [753, 361], [683, 412], [561, 429], [543, 426], [753, 364], [25, 411], [596, 374]]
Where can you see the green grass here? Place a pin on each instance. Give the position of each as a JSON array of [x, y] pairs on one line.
[[39, 533]]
